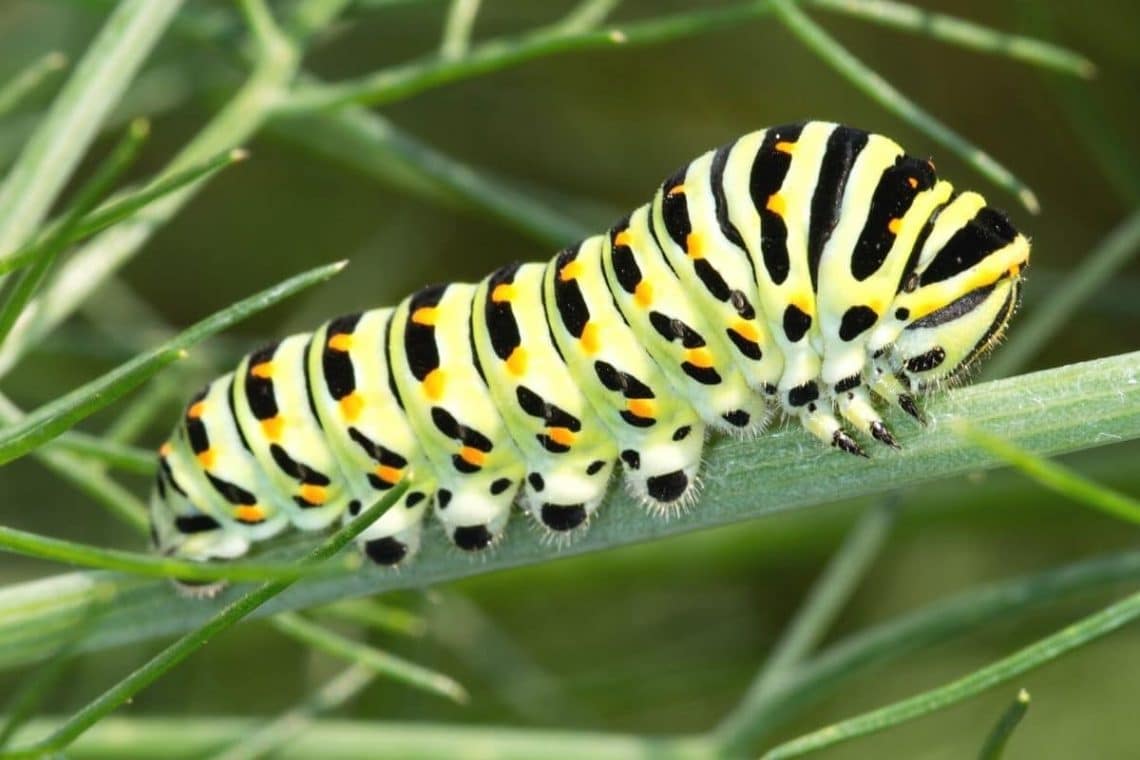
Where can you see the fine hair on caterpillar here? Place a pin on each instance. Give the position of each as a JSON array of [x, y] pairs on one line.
[[812, 270]]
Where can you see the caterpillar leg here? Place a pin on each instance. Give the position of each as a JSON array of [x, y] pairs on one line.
[[189, 518], [891, 389], [562, 499], [663, 476], [855, 406], [180, 529], [567, 451], [448, 404], [824, 426], [395, 537], [659, 437], [473, 513]]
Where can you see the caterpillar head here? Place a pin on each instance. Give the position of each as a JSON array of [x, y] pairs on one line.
[[960, 297], [946, 342]]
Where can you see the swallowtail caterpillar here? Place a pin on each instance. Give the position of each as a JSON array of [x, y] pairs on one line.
[[811, 270]]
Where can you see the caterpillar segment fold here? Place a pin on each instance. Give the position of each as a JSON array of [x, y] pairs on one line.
[[812, 271]]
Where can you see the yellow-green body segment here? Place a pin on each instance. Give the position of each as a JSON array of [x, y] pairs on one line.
[[810, 270]]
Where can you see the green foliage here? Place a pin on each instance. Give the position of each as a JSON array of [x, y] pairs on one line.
[[258, 61]]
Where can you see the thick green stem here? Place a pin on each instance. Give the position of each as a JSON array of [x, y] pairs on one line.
[[1091, 404]]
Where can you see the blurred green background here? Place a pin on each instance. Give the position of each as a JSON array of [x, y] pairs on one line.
[[662, 637]]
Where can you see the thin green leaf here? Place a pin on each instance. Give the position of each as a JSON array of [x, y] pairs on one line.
[[957, 31], [364, 141], [367, 142], [383, 663], [88, 477], [157, 397], [43, 255], [933, 624], [457, 28], [994, 747], [238, 120], [99, 708], [376, 615], [17, 89], [53, 418], [95, 86], [1095, 270], [874, 86], [1066, 409], [154, 566], [355, 739], [1053, 476], [400, 82], [1033, 656], [1090, 118], [25, 699], [813, 619], [56, 417], [267, 35], [503, 665], [119, 456], [123, 208], [588, 14], [281, 731]]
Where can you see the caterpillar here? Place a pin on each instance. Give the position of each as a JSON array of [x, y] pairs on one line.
[[813, 270]]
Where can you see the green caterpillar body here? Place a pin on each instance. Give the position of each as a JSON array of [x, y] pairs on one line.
[[804, 269]]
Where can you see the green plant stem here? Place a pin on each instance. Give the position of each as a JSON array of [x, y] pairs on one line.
[[457, 28], [1033, 334], [154, 566], [825, 600], [963, 33], [588, 14], [23, 703], [366, 142], [241, 117], [1055, 477], [120, 208], [281, 731], [397, 669], [500, 663], [95, 86], [995, 743], [84, 475], [17, 89], [144, 738], [54, 418], [57, 416], [1066, 409], [225, 618], [371, 613], [400, 82], [272, 43], [1109, 145], [155, 398], [1036, 654], [43, 255], [119, 456], [874, 86], [930, 625]]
